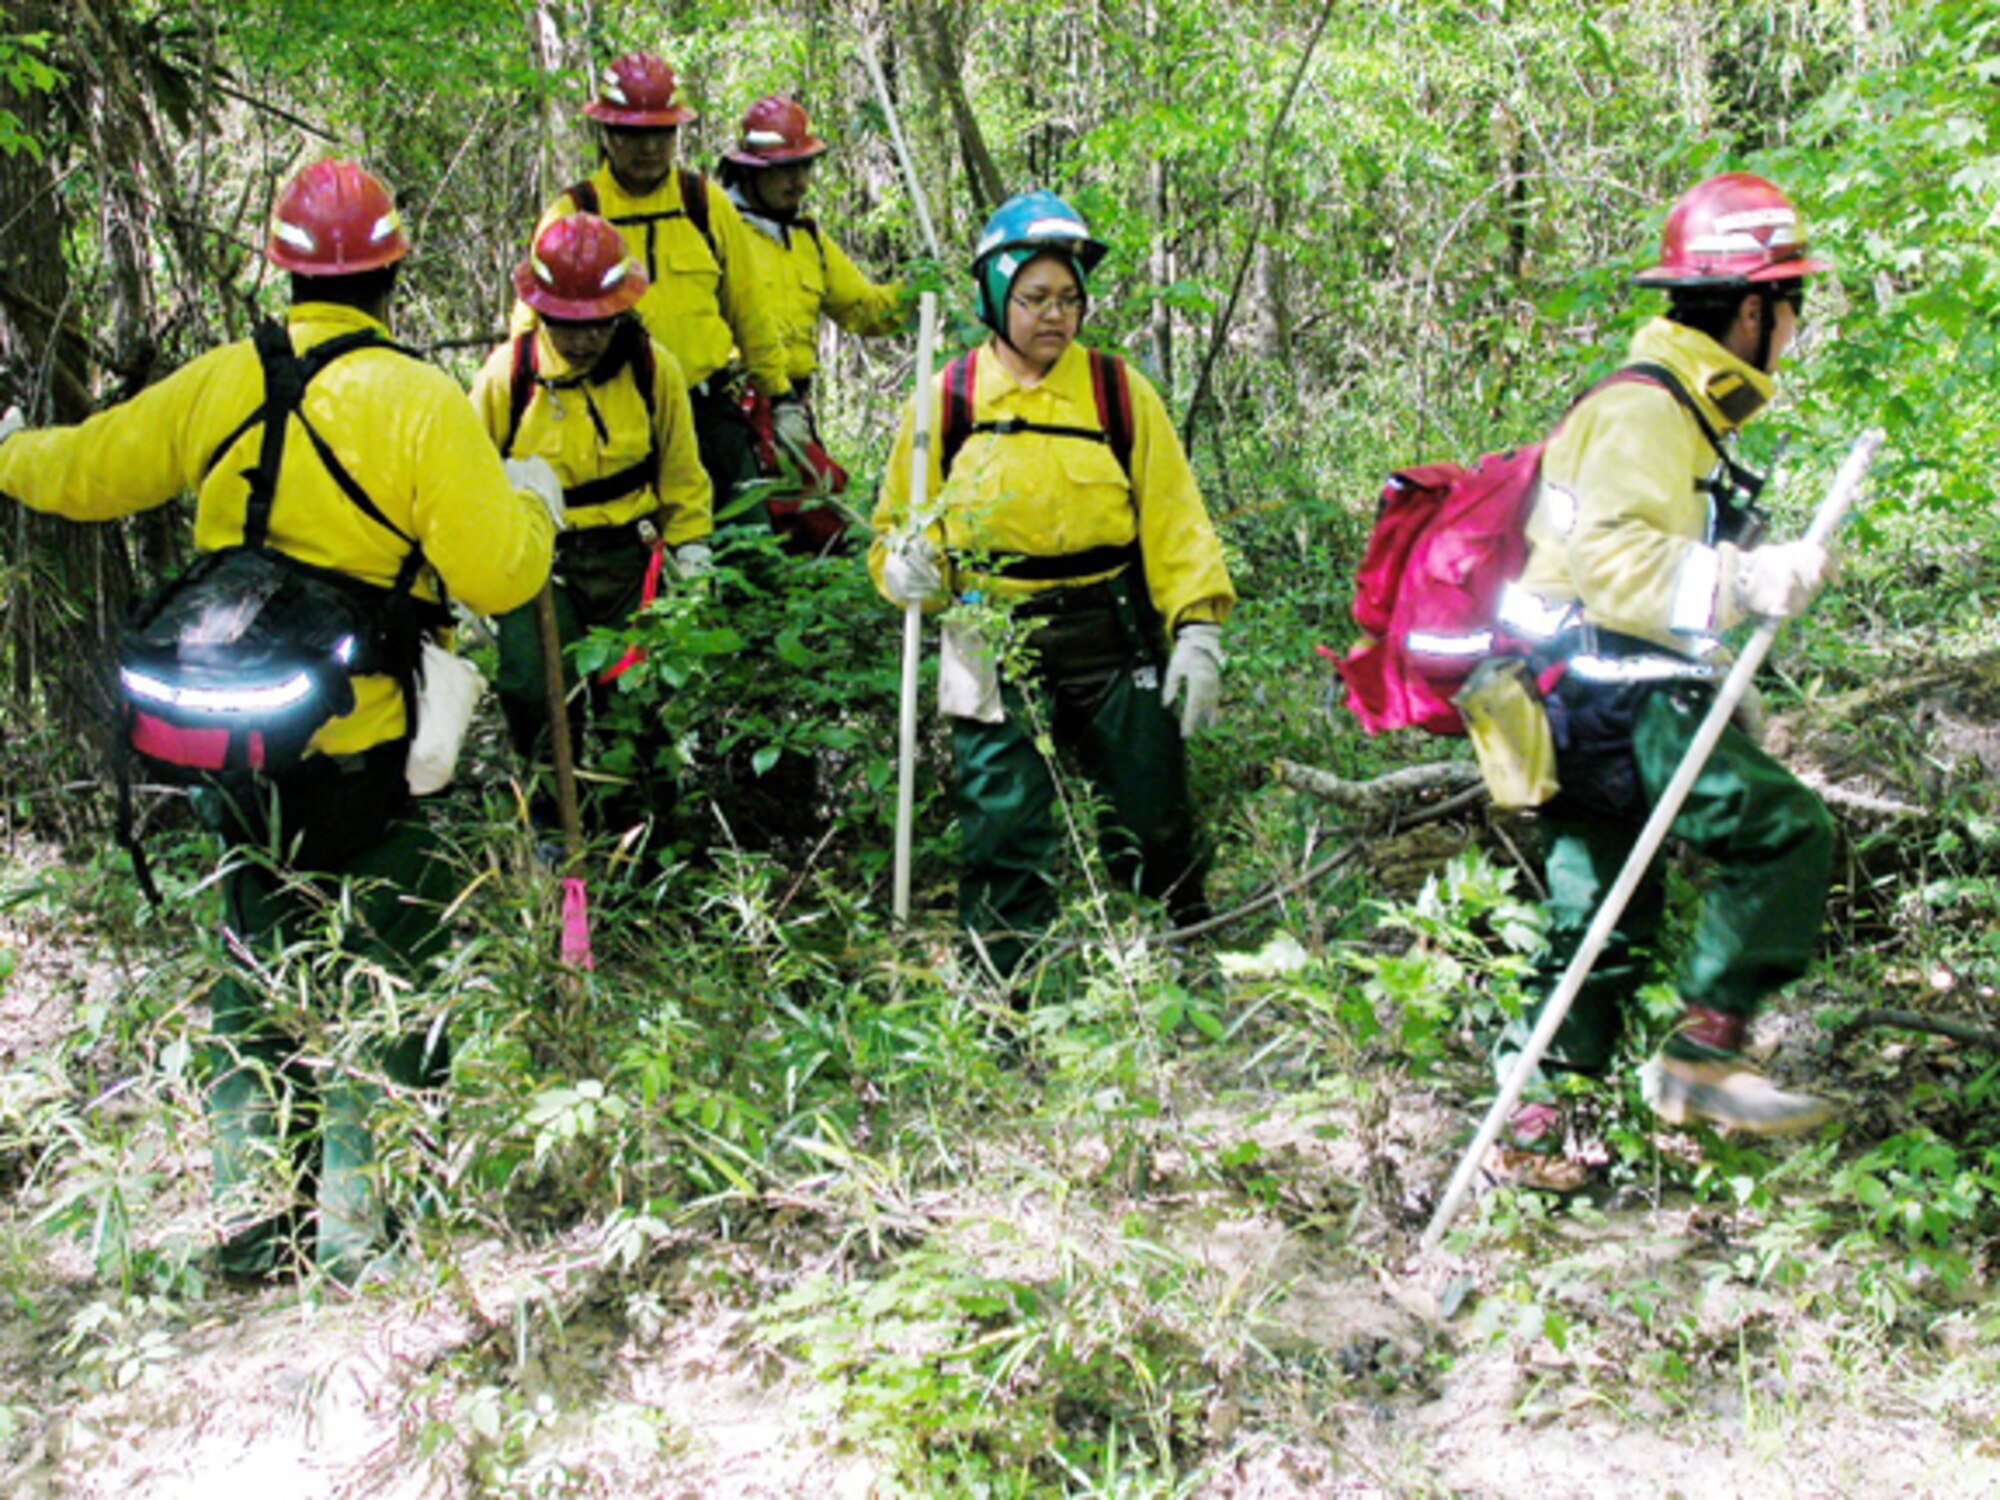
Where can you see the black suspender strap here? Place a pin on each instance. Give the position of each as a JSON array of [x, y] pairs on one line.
[[631, 347], [1745, 481], [694, 208]]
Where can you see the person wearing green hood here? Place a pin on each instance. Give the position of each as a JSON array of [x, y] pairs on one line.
[[1065, 496]]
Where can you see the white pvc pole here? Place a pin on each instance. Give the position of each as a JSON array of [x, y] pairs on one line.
[[1846, 485], [902, 148], [913, 615]]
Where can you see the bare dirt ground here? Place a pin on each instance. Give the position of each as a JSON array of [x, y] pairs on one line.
[[1626, 1348]]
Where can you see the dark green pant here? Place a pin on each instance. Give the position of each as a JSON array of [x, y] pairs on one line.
[[1769, 839], [593, 590], [294, 1154], [728, 452], [1129, 749]]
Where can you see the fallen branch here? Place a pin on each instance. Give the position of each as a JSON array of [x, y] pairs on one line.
[[1358, 839], [1848, 800], [1910, 1020], [1466, 798], [466, 341], [1384, 793]]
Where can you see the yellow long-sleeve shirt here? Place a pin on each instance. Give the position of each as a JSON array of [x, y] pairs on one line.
[[399, 427], [590, 430], [1619, 527], [702, 302], [802, 275], [1044, 495]]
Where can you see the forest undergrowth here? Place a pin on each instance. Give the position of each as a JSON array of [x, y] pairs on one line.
[[783, 1198]]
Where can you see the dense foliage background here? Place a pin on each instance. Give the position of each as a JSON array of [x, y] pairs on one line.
[[1345, 237]]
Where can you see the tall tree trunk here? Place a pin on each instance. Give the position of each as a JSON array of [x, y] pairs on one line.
[[1274, 285], [1161, 267], [941, 55]]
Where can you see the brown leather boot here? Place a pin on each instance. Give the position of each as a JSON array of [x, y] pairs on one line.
[[1729, 1093]]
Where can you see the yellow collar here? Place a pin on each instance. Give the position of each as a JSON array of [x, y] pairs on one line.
[[1730, 391]]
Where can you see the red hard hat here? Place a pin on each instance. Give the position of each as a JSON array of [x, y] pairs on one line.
[[775, 132], [334, 219], [1731, 230], [638, 89], [579, 271]]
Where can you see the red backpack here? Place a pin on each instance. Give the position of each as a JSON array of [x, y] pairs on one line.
[[1447, 540]]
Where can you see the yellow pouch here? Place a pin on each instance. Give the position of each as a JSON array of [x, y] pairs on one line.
[[1510, 733]]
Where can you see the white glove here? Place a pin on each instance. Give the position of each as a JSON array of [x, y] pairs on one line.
[[792, 428], [1777, 581], [1195, 666], [913, 571], [11, 422], [537, 478], [693, 560]]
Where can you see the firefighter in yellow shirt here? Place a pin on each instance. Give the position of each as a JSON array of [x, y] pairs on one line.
[[1065, 493], [802, 277], [384, 472], [591, 393], [1642, 552], [700, 301]]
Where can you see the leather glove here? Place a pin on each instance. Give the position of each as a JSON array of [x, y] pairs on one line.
[[537, 478], [693, 560], [913, 572], [1749, 715], [791, 429], [11, 422], [1776, 582], [1195, 671]]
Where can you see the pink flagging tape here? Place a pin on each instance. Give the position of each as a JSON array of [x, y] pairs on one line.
[[575, 924]]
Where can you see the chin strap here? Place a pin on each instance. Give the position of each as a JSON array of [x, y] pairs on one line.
[[1767, 305]]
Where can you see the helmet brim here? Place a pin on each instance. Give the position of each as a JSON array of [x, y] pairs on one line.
[[640, 119], [285, 258], [1672, 277], [811, 149], [621, 298], [1086, 252]]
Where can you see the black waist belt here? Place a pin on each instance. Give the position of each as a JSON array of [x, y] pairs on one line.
[[1030, 568], [642, 532], [1091, 598], [613, 486]]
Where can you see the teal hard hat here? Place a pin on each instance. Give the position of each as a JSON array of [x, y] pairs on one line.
[[1020, 229]]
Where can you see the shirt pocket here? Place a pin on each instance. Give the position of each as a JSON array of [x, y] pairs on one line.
[[1096, 504], [688, 272]]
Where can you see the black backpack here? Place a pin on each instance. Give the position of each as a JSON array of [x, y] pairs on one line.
[[233, 666]]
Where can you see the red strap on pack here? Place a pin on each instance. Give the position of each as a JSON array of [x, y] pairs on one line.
[[763, 429], [648, 592], [955, 412], [187, 745], [1114, 404]]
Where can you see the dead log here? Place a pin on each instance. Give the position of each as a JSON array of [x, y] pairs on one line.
[[1910, 1020], [1384, 793]]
